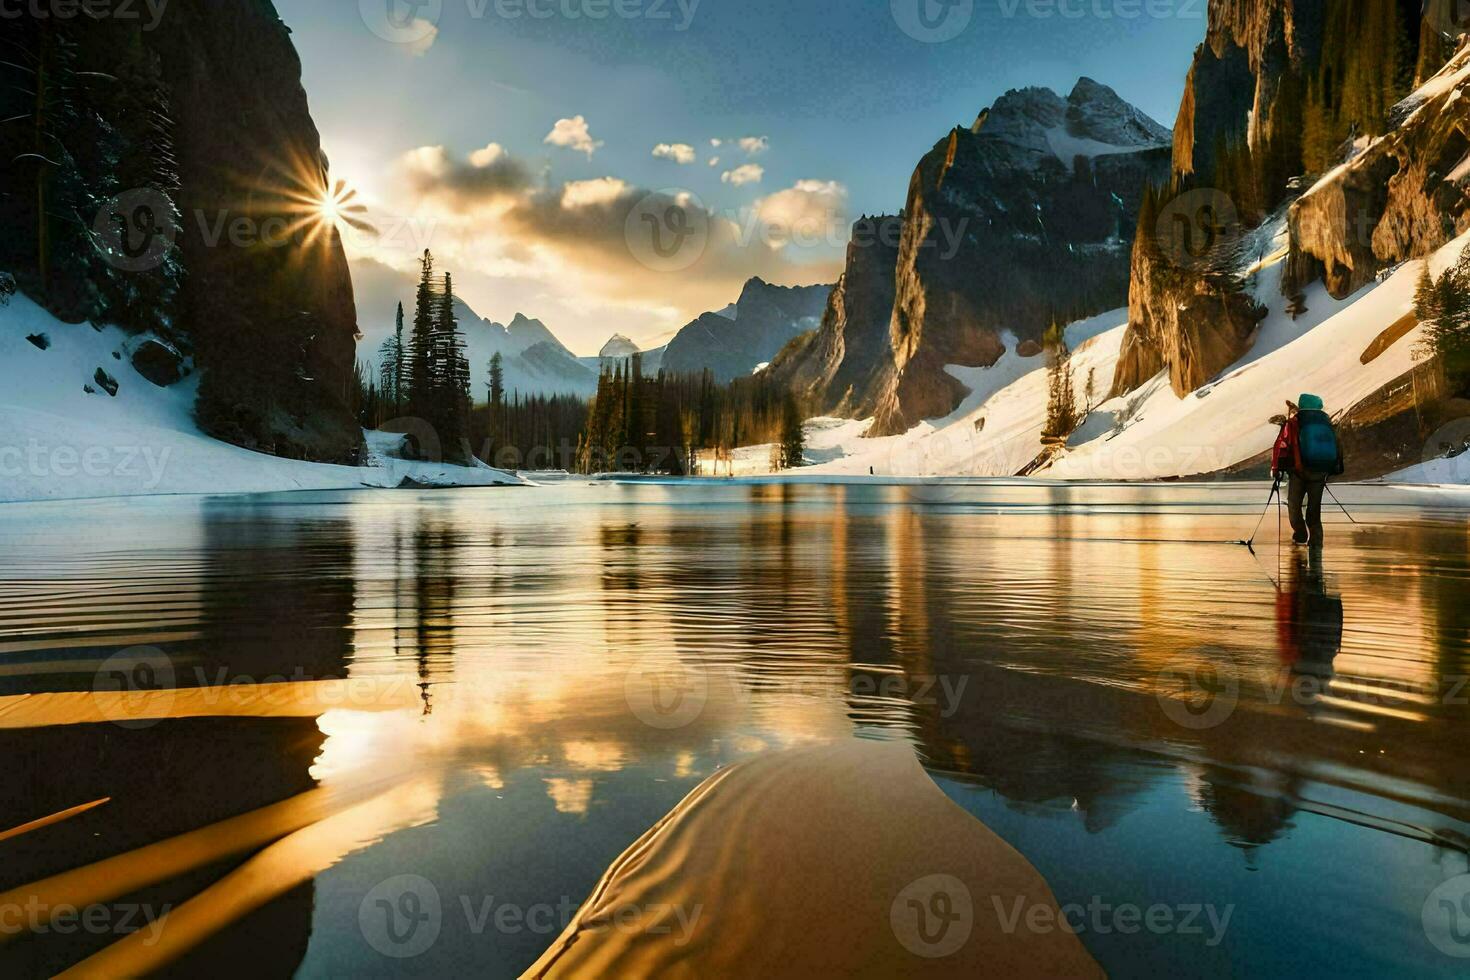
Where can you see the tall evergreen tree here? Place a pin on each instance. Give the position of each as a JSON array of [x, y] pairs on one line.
[[421, 344]]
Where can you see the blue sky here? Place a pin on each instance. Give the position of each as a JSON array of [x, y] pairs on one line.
[[846, 98]]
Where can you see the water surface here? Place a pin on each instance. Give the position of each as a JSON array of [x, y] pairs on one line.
[[497, 691]]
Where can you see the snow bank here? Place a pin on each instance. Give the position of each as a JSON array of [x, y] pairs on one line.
[[59, 441]]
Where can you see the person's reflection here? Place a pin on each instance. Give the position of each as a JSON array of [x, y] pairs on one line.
[[1308, 622]]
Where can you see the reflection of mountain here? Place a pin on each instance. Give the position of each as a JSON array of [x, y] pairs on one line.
[[534, 360]]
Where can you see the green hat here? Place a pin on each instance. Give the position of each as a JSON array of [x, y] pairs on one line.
[[1309, 403]]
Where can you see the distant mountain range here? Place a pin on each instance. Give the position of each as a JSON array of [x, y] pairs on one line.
[[535, 361], [731, 343]]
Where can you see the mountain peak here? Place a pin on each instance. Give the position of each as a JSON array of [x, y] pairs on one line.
[[1091, 120], [619, 346]]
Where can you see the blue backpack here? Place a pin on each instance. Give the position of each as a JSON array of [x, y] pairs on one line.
[[1317, 442]]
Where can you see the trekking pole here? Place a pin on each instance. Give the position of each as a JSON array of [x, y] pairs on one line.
[[1338, 502], [1250, 543]]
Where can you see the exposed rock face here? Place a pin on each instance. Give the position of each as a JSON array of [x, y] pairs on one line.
[[767, 318], [1401, 198], [1189, 323], [1248, 86], [1023, 219], [832, 370]]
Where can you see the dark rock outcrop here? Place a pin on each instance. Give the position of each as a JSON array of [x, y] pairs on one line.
[[158, 362], [832, 370], [1023, 219], [106, 382], [767, 318]]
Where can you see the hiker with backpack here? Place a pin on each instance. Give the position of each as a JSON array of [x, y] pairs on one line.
[[1307, 452]]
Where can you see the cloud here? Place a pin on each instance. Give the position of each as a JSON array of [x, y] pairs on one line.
[[590, 193], [714, 161], [573, 134], [749, 173], [754, 145], [488, 156], [501, 219], [490, 175], [807, 213], [717, 143], [680, 153]]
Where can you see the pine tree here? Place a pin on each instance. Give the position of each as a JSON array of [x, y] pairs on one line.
[[1061, 402], [451, 377], [421, 344], [793, 438], [400, 356]]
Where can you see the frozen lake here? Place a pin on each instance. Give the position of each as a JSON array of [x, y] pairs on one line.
[[497, 691]]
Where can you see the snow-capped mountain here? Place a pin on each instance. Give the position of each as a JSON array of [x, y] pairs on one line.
[[1021, 219]]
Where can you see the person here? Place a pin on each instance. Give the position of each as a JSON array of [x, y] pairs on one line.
[[1307, 452]]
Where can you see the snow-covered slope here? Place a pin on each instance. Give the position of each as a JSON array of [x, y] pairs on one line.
[[1152, 433], [58, 441]]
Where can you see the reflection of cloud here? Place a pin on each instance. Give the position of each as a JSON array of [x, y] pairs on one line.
[[748, 173], [573, 134], [680, 153], [570, 795], [594, 756]]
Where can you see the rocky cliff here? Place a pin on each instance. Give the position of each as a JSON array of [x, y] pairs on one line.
[[1023, 219], [1278, 89], [766, 319], [182, 140], [273, 322], [832, 369]]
